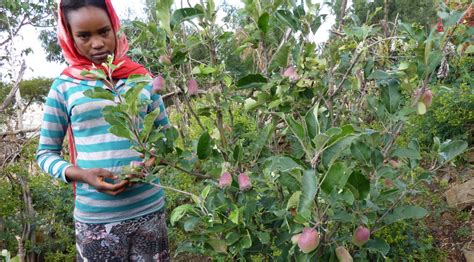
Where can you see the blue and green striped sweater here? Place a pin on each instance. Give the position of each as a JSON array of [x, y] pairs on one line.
[[96, 148]]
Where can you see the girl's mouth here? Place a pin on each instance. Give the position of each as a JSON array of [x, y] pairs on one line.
[[100, 56]]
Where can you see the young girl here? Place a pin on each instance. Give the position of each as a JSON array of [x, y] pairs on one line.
[[114, 220]]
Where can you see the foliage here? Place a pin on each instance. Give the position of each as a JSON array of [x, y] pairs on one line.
[[53, 221], [422, 12], [321, 134], [410, 243], [16, 14], [325, 152], [32, 91], [453, 109], [36, 89]]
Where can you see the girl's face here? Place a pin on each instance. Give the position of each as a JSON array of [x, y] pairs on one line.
[[92, 32]]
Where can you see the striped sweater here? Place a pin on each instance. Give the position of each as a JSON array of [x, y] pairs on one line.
[[96, 148]]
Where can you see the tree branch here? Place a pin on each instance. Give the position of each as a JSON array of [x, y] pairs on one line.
[[16, 132], [14, 33], [14, 89]]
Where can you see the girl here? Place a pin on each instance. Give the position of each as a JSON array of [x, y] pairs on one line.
[[114, 220]]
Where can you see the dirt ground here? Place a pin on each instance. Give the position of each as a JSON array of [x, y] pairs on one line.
[[452, 228]]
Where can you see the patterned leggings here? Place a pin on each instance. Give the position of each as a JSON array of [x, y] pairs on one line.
[[139, 239]]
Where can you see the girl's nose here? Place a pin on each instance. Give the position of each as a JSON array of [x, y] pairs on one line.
[[97, 43]]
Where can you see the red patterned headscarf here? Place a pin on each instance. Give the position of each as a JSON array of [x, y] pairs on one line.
[[77, 62]]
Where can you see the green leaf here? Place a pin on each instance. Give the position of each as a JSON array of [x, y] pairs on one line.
[[421, 108], [185, 14], [232, 237], [294, 200], [97, 73], [434, 61], [298, 130], [245, 242], [113, 116], [205, 192], [121, 131], [335, 150], [148, 123], [218, 245], [178, 57], [287, 18], [163, 14], [179, 212], [263, 22], [378, 245], [346, 196], [379, 75], [132, 98], [360, 151], [133, 79], [196, 70], [238, 152], [250, 104], [204, 146], [315, 24], [234, 215], [262, 140], [343, 216], [99, 93], [450, 149], [359, 185], [320, 141], [312, 122], [403, 66], [309, 186], [405, 212], [280, 58], [406, 153], [251, 81], [264, 237], [335, 177], [391, 96], [206, 70], [281, 164], [376, 158], [191, 223]]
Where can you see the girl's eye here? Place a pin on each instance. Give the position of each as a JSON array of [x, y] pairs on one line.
[[83, 37], [105, 32]]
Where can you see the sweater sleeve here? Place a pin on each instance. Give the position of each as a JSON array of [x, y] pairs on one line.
[[53, 129]]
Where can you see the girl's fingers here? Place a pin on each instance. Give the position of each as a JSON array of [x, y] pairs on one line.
[[150, 162]]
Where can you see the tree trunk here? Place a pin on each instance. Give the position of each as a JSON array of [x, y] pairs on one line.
[[28, 216], [2, 232], [19, 110], [342, 12]]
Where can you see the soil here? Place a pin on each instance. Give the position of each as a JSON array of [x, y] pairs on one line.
[[452, 229]]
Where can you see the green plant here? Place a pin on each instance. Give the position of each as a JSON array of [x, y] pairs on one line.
[[410, 242], [310, 162], [463, 232]]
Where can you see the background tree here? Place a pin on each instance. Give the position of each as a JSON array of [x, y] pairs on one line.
[[422, 12]]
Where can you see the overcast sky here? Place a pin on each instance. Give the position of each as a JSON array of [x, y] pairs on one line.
[[39, 67]]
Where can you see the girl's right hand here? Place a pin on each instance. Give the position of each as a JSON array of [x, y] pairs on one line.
[[95, 177]]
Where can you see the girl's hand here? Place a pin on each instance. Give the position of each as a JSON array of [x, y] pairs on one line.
[[95, 177]]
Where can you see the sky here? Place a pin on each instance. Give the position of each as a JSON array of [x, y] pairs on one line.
[[37, 66]]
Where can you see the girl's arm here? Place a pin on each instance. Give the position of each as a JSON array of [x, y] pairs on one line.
[[52, 133]]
